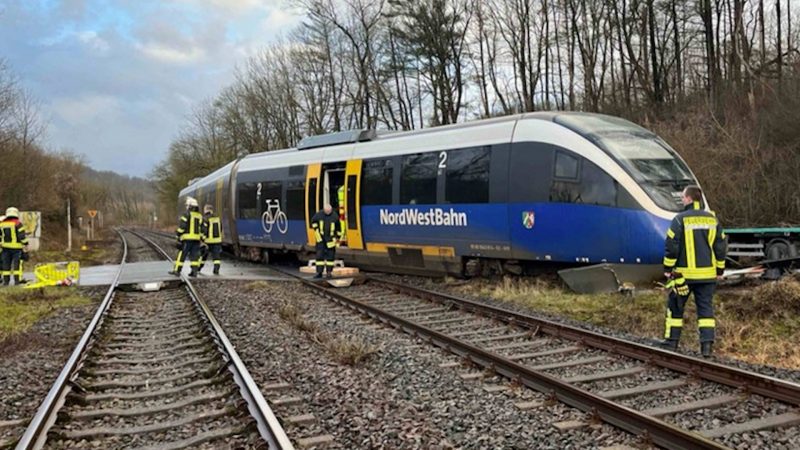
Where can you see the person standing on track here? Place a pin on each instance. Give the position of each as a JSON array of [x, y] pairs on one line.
[[694, 258], [342, 217], [189, 233], [212, 237], [14, 243], [327, 231]]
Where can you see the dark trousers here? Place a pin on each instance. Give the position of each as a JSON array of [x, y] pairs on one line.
[[703, 295], [215, 250], [190, 251], [325, 257], [11, 259]]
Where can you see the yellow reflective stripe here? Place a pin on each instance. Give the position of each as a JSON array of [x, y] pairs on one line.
[[328, 263], [688, 239], [706, 323], [319, 263], [721, 264], [671, 323], [670, 262], [670, 233], [317, 236], [696, 205], [691, 273], [675, 323]]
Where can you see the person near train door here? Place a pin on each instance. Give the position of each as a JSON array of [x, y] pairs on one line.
[[212, 238], [189, 234], [327, 232], [694, 258], [14, 242], [340, 196]]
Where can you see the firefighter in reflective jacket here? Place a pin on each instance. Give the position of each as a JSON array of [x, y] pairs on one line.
[[327, 231], [189, 233], [340, 195], [694, 257], [14, 241], [212, 237]]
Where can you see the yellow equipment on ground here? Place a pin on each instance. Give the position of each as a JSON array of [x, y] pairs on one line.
[[56, 274]]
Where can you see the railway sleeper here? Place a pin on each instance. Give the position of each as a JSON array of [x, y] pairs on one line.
[[192, 362], [128, 383], [149, 361], [132, 412], [156, 427], [157, 344], [94, 397], [115, 353]]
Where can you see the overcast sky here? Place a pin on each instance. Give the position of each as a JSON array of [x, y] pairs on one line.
[[116, 78]]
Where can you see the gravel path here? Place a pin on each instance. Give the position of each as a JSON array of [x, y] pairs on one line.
[[30, 362], [399, 397]]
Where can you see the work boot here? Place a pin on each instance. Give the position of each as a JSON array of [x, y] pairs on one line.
[[329, 275], [706, 349], [669, 344], [318, 276], [174, 272], [193, 273], [216, 270]]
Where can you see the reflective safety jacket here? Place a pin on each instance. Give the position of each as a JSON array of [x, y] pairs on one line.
[[212, 230], [695, 245], [327, 227], [190, 227], [12, 234], [340, 196]]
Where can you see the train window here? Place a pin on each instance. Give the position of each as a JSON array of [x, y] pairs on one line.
[[566, 166], [270, 192], [467, 179], [376, 182], [418, 179], [248, 201], [295, 199], [597, 187], [297, 171]]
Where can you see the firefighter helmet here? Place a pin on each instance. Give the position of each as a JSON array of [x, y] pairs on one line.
[[12, 212]]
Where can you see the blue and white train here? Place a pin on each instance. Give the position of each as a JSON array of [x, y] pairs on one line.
[[560, 187]]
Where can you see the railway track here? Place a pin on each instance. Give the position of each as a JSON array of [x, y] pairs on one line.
[[153, 370], [661, 396]]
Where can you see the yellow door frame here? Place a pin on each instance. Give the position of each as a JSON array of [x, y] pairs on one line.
[[354, 240], [312, 173]]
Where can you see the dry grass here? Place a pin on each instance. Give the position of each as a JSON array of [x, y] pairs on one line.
[[348, 350], [758, 325], [21, 308], [344, 349]]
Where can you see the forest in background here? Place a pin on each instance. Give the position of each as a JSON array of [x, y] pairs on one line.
[[37, 179], [717, 79]]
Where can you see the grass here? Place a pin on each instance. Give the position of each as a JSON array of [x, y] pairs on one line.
[[21, 308], [344, 349], [756, 325]]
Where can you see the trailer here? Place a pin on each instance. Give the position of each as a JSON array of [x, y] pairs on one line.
[[763, 243]]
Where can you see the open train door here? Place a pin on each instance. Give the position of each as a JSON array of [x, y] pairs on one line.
[[353, 204], [312, 197]]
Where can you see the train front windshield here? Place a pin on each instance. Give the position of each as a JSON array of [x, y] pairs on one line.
[[651, 162]]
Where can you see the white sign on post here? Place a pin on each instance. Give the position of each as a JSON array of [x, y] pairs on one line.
[[32, 224]]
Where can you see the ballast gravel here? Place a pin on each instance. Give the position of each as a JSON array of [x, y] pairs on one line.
[[398, 397], [31, 361]]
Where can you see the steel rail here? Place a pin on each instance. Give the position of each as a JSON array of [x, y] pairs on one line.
[[36, 433], [649, 428], [752, 382], [269, 427]]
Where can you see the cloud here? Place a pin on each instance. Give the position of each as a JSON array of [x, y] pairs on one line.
[[168, 54], [117, 78], [85, 109]]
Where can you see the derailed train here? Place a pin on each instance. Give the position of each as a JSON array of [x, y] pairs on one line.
[[560, 187]]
